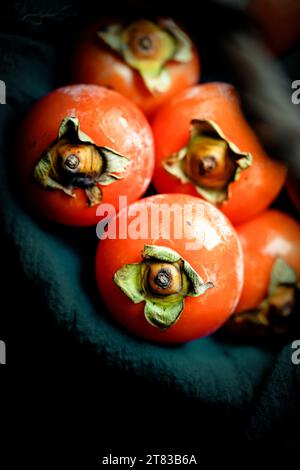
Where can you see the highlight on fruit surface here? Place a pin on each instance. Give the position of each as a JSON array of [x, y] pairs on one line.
[[79, 147], [169, 268]]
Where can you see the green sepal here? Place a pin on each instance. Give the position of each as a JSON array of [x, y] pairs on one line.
[[46, 175], [153, 73], [183, 51], [149, 67], [163, 313], [42, 172], [128, 279], [196, 285], [177, 47], [260, 321], [157, 83], [282, 275], [111, 35], [94, 195], [159, 311], [114, 163], [71, 124], [174, 164], [160, 253]]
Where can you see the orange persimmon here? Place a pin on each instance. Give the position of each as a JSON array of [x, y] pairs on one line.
[[140, 60], [205, 147]]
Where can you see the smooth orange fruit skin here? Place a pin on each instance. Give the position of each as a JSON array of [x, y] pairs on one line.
[[110, 120], [94, 62], [257, 186], [273, 234], [218, 259]]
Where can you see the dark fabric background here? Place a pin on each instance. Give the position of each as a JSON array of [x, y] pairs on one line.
[[85, 385]]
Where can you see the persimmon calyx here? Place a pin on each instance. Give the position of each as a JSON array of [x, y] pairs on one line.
[[147, 47], [162, 280], [73, 161], [275, 313], [210, 161]]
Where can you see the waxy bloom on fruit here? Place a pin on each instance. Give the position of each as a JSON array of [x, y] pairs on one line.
[[82, 145], [205, 147], [178, 273]]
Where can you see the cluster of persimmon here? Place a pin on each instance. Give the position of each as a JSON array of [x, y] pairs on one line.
[[136, 116]]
